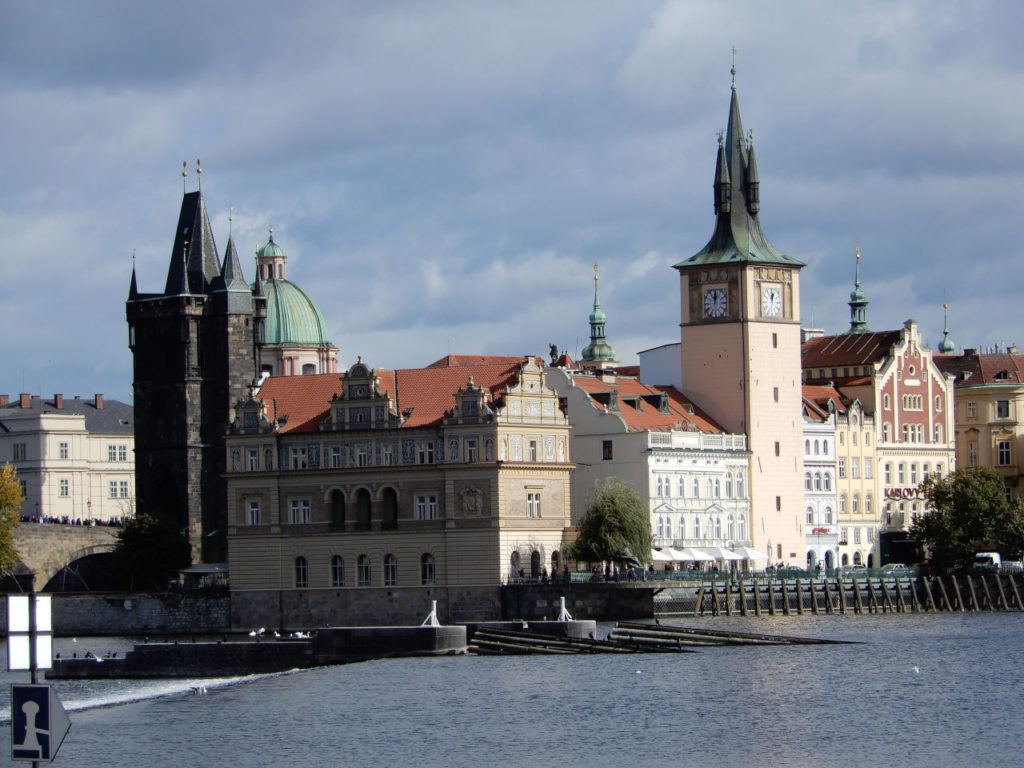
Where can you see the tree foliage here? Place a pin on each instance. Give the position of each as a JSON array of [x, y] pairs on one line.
[[11, 499], [151, 549], [615, 526], [969, 513]]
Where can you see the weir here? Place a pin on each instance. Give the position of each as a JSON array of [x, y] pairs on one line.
[[860, 596]]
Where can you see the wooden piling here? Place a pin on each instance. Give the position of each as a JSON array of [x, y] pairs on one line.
[[959, 595], [771, 599], [814, 597], [1002, 592], [785, 598], [1016, 593], [988, 595], [799, 599], [700, 601], [928, 594], [716, 607], [743, 600], [901, 606], [757, 599], [858, 606], [975, 605], [872, 602], [828, 597], [728, 598], [842, 594]]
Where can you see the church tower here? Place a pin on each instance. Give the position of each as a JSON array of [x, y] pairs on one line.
[[858, 304], [195, 349], [740, 342], [598, 354]]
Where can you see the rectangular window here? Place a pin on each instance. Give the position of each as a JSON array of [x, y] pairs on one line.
[[1002, 409], [65, 450], [254, 513], [606, 450], [775, 341], [888, 474], [777, 448], [19, 452], [533, 504], [112, 489], [298, 457], [335, 457], [426, 507], [122, 453], [363, 571], [122, 489], [65, 487], [868, 469], [300, 511], [902, 473], [913, 474], [254, 460], [424, 453], [972, 410], [1003, 452], [533, 450], [972, 454], [842, 467], [471, 449], [856, 535], [854, 467], [361, 456], [387, 455], [775, 393], [111, 453]]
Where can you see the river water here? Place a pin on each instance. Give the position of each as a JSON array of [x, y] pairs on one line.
[[917, 690]]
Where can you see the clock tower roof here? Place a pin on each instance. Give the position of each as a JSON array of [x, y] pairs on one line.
[[737, 237]]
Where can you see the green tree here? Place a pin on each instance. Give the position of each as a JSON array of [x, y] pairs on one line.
[[11, 499], [969, 513], [615, 526], [151, 549]]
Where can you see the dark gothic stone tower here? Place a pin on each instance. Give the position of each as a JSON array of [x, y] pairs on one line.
[[196, 353]]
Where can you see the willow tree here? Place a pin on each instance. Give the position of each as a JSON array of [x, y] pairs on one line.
[[615, 528], [11, 499]]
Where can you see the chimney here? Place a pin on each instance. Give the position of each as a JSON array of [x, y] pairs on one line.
[[99, 401], [1012, 350], [58, 401], [23, 399], [4, 400]]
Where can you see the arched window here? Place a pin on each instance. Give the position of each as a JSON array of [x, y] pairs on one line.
[[718, 488], [842, 504], [817, 481], [682, 527], [730, 527], [363, 509], [668, 527], [363, 571], [718, 527], [728, 484], [660, 530], [389, 509], [816, 451], [741, 529], [301, 572], [807, 481], [711, 489], [337, 571], [682, 487], [337, 510], [696, 526], [828, 515], [696, 488], [867, 504], [827, 481], [741, 491], [390, 571], [810, 516], [886, 402], [535, 564], [824, 447], [807, 447], [856, 503], [427, 573]]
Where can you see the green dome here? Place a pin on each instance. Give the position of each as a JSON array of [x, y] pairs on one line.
[[598, 351], [270, 250], [293, 319]]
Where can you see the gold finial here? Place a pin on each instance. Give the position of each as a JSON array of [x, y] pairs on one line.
[[945, 306], [184, 174], [857, 251], [199, 173], [733, 70], [595, 273], [231, 218]]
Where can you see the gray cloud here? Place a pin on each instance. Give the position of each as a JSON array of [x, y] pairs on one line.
[[443, 176]]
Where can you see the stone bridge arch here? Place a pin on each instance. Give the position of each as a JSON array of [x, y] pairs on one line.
[[45, 549]]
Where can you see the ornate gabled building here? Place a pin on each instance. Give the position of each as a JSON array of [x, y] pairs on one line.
[[899, 384], [424, 483], [195, 349], [740, 342]]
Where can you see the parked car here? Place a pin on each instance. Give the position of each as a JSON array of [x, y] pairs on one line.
[[895, 568]]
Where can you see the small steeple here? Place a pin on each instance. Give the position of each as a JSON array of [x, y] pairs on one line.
[[598, 353], [133, 289], [858, 302], [946, 346]]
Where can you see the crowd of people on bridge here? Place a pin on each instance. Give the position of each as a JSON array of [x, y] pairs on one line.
[[114, 522]]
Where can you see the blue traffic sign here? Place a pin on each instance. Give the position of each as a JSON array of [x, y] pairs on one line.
[[38, 722]]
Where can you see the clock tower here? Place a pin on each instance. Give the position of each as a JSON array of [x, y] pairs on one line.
[[740, 343]]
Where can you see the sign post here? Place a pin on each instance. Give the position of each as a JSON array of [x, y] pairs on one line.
[[38, 720]]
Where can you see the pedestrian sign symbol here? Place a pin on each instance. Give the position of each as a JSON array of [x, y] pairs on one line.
[[38, 722]]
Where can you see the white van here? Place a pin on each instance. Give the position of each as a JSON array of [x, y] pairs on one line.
[[987, 562]]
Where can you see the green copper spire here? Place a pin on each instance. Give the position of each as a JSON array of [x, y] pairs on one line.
[[858, 303], [598, 350], [946, 346]]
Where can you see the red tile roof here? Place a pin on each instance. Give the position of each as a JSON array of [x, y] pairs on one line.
[[973, 368], [820, 396], [648, 417], [847, 349], [426, 392], [459, 361]]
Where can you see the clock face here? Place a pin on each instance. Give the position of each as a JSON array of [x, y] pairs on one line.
[[771, 302], [715, 303]]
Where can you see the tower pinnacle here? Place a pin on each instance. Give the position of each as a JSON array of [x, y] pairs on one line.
[[858, 301]]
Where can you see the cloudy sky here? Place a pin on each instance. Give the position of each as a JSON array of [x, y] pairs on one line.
[[443, 175]]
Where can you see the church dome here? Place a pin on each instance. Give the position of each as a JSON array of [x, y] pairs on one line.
[[293, 319], [270, 250]]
